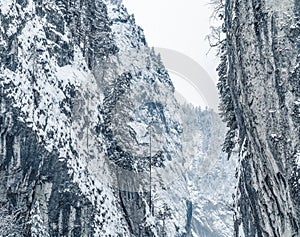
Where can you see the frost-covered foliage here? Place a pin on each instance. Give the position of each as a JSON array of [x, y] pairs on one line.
[[217, 39], [10, 226], [259, 87], [227, 104], [37, 225]]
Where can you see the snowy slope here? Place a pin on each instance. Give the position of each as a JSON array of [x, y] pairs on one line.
[[82, 95], [210, 176]]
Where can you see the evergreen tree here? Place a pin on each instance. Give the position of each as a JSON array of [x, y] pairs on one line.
[[226, 105]]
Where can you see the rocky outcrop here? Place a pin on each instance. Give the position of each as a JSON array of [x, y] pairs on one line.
[[259, 84], [69, 111]]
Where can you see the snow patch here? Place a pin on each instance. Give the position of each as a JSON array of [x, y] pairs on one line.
[[6, 6], [283, 6]]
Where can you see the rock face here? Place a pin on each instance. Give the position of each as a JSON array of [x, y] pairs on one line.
[[210, 177], [259, 85], [44, 118], [87, 113]]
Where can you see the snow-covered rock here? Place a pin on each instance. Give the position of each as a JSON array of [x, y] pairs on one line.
[[259, 84], [87, 109]]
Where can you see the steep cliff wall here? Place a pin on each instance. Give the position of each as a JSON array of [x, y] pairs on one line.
[[259, 85], [79, 88], [83, 103]]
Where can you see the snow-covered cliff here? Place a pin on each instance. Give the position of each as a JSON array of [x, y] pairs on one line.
[[87, 115], [259, 85]]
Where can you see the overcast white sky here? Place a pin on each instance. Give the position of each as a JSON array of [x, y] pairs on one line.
[[179, 25]]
